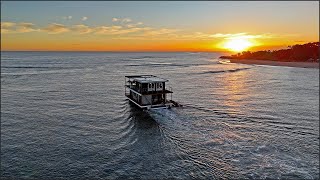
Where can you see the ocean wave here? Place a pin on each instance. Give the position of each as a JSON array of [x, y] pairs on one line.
[[164, 65], [33, 67], [223, 71], [149, 57], [224, 62], [159, 65]]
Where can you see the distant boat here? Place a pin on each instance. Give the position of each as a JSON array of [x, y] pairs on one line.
[[148, 92]]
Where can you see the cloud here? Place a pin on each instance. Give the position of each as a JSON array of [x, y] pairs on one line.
[[243, 36], [7, 24], [55, 28], [206, 36], [117, 30], [67, 17], [81, 29], [134, 29], [130, 25], [220, 35], [7, 27], [130, 30], [160, 31], [107, 29], [115, 19], [134, 25], [26, 27], [125, 20], [84, 18], [10, 27]]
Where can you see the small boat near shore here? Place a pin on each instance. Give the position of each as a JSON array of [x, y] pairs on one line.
[[148, 92]]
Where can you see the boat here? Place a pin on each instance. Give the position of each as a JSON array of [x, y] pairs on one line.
[[148, 91]]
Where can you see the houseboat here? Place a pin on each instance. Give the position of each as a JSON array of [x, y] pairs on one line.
[[147, 91]]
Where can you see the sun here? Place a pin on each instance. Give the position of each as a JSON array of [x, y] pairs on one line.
[[238, 44]]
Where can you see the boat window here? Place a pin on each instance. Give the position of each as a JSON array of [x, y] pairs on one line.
[[152, 85], [160, 85], [149, 85]]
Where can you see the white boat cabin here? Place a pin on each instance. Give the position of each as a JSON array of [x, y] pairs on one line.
[[147, 91]]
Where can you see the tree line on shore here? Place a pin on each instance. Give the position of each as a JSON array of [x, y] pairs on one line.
[[308, 52]]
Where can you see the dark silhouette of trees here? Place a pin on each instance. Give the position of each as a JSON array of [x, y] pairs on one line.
[[300, 53]]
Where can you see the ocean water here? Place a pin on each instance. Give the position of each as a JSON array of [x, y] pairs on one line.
[[64, 115]]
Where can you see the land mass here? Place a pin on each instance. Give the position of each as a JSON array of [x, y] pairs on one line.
[[305, 55]]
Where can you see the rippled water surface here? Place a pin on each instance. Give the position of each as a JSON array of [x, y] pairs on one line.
[[64, 115]]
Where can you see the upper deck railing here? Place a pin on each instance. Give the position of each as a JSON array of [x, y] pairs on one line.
[[145, 91]]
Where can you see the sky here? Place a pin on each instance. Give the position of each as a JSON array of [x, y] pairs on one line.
[[157, 26]]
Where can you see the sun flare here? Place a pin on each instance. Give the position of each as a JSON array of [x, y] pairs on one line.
[[238, 44]]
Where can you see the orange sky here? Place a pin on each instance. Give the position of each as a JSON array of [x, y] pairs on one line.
[[39, 26]]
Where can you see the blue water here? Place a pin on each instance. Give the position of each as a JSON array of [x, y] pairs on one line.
[[64, 115]]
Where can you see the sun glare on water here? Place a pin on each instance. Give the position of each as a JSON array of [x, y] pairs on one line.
[[237, 45]]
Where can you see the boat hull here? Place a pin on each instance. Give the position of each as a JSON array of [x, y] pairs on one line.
[[160, 106]]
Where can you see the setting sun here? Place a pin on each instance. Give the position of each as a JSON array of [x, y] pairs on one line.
[[239, 44]]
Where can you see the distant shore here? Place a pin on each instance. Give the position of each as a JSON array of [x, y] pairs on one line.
[[277, 63]]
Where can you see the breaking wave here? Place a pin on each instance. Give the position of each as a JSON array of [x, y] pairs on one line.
[[223, 71]]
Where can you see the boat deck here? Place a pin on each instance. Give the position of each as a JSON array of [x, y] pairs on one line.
[[148, 92]]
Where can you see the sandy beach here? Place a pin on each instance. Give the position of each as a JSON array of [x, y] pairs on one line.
[[277, 63]]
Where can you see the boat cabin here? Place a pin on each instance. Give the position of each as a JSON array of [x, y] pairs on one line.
[[147, 91]]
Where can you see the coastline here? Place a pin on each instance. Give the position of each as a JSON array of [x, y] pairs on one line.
[[277, 63]]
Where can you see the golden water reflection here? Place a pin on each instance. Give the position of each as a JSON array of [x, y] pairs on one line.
[[236, 90]]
